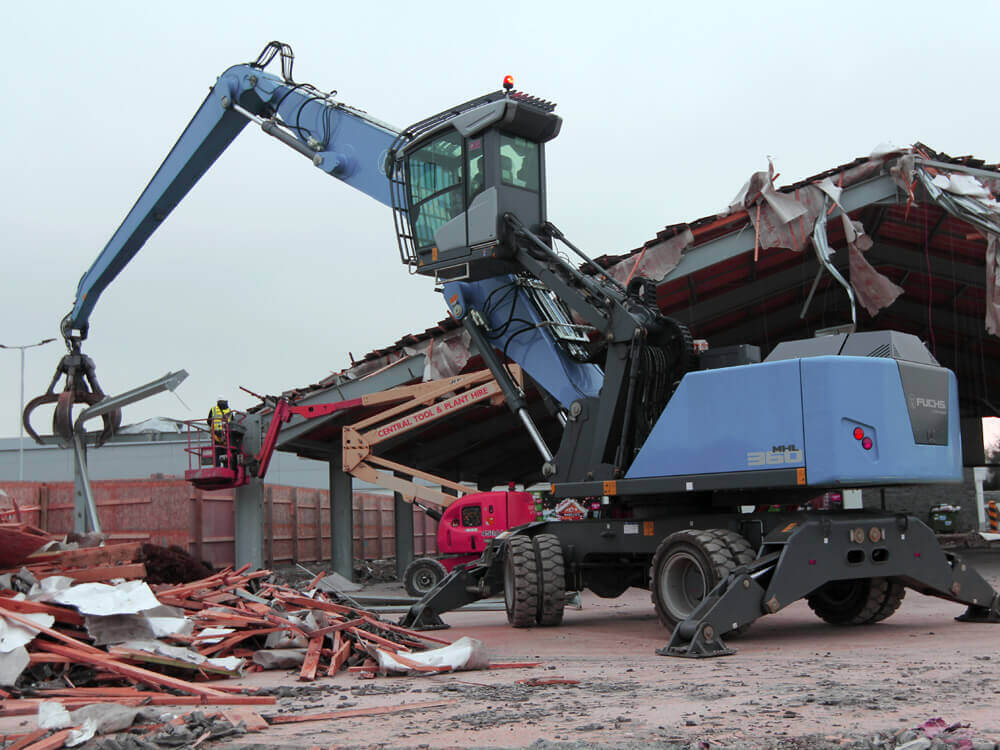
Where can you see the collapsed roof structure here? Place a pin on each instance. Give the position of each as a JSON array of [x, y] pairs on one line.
[[902, 239]]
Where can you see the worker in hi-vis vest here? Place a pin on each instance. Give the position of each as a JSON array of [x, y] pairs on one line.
[[219, 417]]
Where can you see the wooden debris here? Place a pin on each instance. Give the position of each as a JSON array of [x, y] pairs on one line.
[[308, 671], [339, 638]]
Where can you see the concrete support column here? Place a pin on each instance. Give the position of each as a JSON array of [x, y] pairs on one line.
[[341, 518], [403, 514], [248, 506], [248, 524]]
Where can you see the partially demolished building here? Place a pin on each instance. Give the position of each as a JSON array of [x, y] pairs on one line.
[[901, 239]]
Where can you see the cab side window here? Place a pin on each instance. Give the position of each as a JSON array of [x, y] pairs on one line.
[[519, 162]]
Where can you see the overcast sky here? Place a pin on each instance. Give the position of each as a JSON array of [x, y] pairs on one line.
[[270, 272]]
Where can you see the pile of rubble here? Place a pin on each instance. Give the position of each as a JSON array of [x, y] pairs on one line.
[[83, 627]]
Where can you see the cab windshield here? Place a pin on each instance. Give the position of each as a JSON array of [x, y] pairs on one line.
[[436, 179]]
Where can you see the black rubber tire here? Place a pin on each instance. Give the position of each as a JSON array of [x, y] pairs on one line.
[[520, 582], [858, 601], [893, 598], [422, 575], [743, 553], [551, 579], [689, 564]]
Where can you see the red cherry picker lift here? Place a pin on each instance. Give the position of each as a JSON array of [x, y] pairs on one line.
[[467, 520]]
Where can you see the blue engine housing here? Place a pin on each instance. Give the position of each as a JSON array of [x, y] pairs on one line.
[[802, 413]]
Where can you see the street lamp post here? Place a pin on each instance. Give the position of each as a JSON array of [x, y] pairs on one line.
[[20, 422]]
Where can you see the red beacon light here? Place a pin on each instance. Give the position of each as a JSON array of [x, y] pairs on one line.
[[508, 83], [858, 433], [867, 443]]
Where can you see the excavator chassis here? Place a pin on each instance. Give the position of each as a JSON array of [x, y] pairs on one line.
[[804, 555], [798, 554]]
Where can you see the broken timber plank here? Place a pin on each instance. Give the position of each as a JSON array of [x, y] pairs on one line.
[[27, 739], [405, 631], [341, 650], [105, 661], [384, 642], [52, 742], [61, 614], [81, 558], [83, 647], [106, 573], [348, 713], [308, 671], [147, 657]]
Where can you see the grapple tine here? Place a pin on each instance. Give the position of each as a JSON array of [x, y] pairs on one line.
[[62, 417], [45, 398]]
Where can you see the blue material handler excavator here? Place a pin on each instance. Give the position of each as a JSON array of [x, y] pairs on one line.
[[676, 455]]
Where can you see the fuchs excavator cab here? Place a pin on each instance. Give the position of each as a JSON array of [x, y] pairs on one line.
[[459, 173]]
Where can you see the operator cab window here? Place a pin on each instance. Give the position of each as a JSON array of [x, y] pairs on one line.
[[472, 516], [436, 180], [519, 162]]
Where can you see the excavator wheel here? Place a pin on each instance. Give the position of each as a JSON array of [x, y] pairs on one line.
[[422, 575], [857, 601], [520, 582], [893, 598], [687, 565], [551, 579]]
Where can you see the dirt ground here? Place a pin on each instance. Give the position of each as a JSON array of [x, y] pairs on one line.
[[795, 682]]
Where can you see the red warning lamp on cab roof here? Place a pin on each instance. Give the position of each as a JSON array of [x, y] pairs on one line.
[[508, 82]]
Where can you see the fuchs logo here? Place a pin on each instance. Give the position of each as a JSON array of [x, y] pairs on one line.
[[918, 402], [779, 455]]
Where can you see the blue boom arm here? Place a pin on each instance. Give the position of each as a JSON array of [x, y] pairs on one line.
[[342, 141]]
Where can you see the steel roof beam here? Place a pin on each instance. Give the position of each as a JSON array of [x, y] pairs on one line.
[[697, 258], [398, 373]]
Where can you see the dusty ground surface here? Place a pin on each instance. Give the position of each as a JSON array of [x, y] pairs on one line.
[[795, 682]]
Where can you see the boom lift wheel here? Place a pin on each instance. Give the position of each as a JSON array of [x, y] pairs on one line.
[[551, 579], [689, 564], [520, 582], [856, 601], [422, 575]]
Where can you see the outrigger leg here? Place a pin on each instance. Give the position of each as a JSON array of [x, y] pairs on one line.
[[802, 557]]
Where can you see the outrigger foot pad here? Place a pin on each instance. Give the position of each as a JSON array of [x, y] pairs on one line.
[[702, 643], [979, 613]]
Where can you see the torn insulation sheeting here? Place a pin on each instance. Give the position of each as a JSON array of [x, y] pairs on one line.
[[13, 635], [128, 598], [464, 654], [654, 261]]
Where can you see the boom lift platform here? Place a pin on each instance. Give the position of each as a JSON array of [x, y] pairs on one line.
[[672, 453]]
